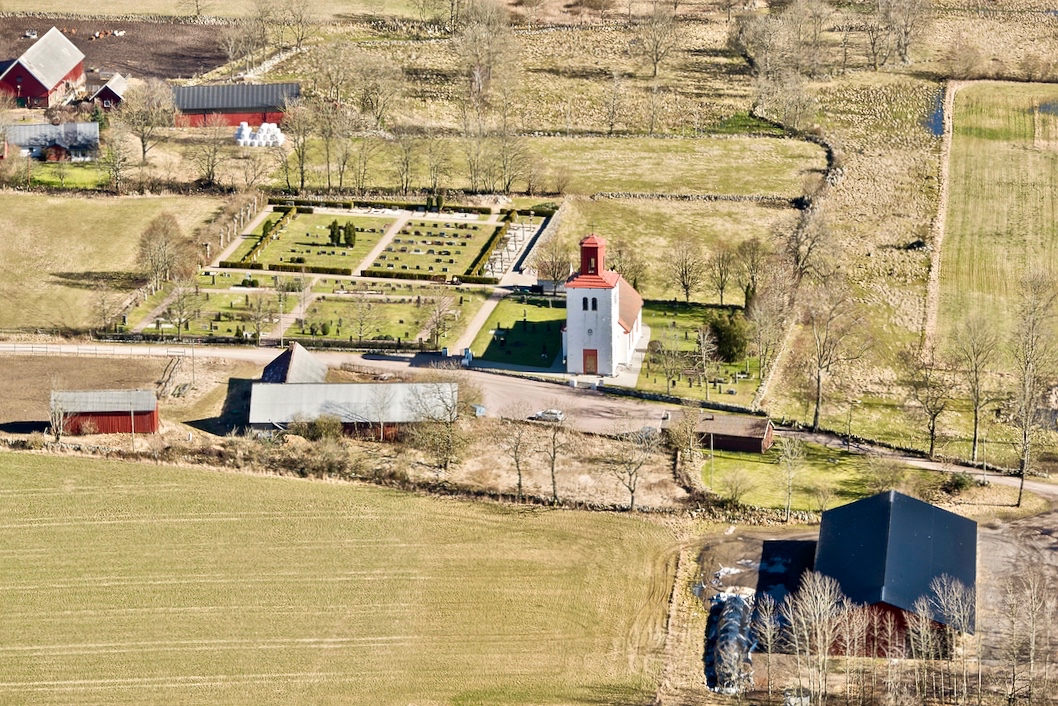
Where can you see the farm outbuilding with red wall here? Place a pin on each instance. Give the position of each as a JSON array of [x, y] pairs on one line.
[[105, 411], [234, 103], [47, 73]]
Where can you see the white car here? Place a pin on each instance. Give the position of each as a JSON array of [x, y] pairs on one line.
[[549, 415]]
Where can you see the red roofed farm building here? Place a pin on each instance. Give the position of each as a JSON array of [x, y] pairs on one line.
[[604, 315], [106, 411], [47, 74]]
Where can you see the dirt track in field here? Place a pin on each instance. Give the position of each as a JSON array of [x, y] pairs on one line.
[[148, 49]]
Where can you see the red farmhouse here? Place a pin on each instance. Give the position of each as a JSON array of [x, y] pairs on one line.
[[47, 74], [235, 103], [106, 411]]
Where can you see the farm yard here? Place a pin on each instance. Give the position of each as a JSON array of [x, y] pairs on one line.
[[147, 49], [169, 584], [56, 251]]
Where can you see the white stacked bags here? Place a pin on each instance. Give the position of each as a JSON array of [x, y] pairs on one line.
[[268, 135]]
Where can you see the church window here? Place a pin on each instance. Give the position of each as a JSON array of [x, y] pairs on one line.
[[585, 303], [594, 304]]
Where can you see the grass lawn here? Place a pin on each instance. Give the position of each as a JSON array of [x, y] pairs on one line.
[[741, 165], [78, 176], [846, 474], [307, 237], [55, 250], [132, 584], [443, 247], [1002, 216], [652, 228], [521, 332], [401, 313]]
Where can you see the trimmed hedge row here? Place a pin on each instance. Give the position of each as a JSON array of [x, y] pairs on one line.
[[478, 279], [403, 274], [356, 203], [478, 266], [284, 267]]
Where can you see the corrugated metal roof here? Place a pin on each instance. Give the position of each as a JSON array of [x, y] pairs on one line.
[[117, 84], [353, 403], [889, 547], [295, 365], [723, 424], [51, 57], [235, 96], [86, 401], [68, 135]]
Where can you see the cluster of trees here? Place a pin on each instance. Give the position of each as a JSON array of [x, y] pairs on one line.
[[786, 48], [868, 655]]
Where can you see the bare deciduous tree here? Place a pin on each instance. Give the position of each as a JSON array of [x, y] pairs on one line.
[[686, 267], [517, 440], [379, 83], [184, 305], [146, 110], [752, 257], [720, 270], [1032, 348], [440, 432], [260, 311], [768, 630], [668, 357], [552, 262], [976, 346], [556, 441], [406, 163], [834, 325], [804, 243], [626, 457], [299, 125], [813, 614], [656, 35], [930, 385], [363, 316], [208, 152], [441, 310], [161, 249], [768, 316], [791, 462], [364, 152]]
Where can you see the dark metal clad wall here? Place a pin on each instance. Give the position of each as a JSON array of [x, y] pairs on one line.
[[926, 542], [852, 547]]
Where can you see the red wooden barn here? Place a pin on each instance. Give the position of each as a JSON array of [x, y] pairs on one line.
[[728, 432], [47, 74], [235, 103], [106, 411]]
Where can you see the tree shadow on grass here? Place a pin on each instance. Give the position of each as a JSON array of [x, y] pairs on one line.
[[235, 414], [91, 280]]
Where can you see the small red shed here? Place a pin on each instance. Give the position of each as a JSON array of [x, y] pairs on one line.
[[105, 411], [111, 93], [47, 74]]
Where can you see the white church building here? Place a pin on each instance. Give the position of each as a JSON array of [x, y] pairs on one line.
[[604, 315]]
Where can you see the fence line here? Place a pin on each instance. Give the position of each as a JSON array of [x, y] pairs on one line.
[[80, 351]]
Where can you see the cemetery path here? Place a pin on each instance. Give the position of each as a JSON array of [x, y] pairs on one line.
[[287, 320], [383, 242], [475, 324], [154, 313]]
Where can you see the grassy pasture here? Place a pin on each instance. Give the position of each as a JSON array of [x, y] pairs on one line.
[[740, 165], [1002, 216], [651, 228], [139, 584], [520, 332], [55, 250]]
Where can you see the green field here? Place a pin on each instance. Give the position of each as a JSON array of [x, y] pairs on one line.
[[650, 228], [1002, 218], [135, 584], [446, 248], [56, 249], [521, 332]]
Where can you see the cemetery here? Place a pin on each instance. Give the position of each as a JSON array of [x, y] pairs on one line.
[[444, 248]]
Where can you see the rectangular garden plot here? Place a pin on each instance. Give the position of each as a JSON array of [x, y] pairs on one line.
[[306, 240], [442, 248]]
